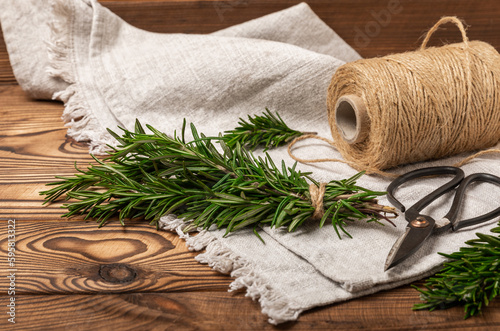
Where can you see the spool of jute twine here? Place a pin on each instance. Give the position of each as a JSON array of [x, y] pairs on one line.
[[427, 104]]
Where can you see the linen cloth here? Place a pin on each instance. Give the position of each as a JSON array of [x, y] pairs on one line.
[[108, 73]]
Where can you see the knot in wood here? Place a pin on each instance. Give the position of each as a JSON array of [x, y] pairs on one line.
[[117, 273], [317, 194]]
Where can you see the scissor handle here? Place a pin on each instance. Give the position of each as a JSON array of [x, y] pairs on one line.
[[459, 196], [413, 211]]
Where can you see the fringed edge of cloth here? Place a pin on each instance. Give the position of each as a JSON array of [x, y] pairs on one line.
[[221, 259], [77, 116]]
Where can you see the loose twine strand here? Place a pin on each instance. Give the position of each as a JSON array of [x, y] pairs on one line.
[[427, 104], [369, 170]]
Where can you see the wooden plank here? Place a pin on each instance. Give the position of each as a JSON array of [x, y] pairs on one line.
[[77, 257], [209, 310], [6, 74], [33, 150], [389, 27], [384, 31]]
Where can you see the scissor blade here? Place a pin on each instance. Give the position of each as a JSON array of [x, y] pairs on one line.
[[407, 244]]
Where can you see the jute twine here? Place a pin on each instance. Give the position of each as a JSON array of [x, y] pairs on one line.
[[428, 104], [317, 194]]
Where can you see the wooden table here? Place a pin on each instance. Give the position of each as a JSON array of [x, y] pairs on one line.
[[71, 275]]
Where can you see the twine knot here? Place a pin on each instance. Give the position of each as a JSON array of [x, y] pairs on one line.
[[317, 194]]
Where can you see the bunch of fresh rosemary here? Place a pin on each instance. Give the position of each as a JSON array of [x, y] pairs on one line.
[[470, 278], [151, 174]]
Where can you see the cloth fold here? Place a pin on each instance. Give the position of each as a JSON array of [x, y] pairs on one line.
[[108, 73]]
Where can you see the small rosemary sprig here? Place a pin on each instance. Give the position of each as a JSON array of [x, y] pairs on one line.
[[267, 130], [471, 278], [151, 175]]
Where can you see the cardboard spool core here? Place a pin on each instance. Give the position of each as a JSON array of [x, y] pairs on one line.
[[351, 118]]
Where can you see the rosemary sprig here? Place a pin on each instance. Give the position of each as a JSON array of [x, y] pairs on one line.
[[267, 130], [151, 175], [471, 278]]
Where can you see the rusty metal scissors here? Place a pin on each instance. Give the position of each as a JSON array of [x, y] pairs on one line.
[[420, 226]]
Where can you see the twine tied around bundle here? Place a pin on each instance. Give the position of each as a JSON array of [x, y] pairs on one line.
[[317, 193], [416, 106]]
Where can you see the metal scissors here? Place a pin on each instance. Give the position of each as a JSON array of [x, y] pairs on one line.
[[420, 226]]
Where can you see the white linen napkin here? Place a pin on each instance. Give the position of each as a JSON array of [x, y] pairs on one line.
[[109, 73]]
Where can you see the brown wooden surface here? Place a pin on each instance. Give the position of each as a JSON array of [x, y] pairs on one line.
[[71, 275]]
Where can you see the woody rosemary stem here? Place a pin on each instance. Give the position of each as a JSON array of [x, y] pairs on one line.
[[150, 175]]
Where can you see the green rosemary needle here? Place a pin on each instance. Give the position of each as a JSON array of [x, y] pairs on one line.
[[267, 130], [150, 175], [471, 277]]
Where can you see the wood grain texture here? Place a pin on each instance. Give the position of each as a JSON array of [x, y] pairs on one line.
[[77, 257], [398, 32], [6, 74], [71, 275], [208, 310], [33, 150]]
